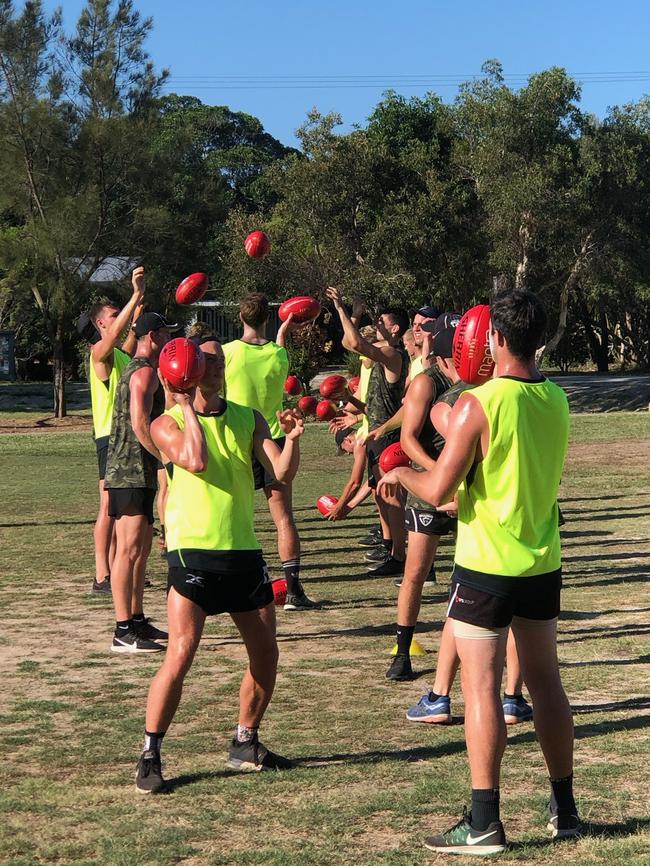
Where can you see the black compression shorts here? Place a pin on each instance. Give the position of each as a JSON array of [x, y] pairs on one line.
[[136, 500]]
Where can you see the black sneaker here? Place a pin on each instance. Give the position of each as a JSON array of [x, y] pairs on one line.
[[299, 601], [400, 668], [148, 774], [387, 568], [102, 587], [564, 826], [463, 839], [372, 539], [252, 757], [144, 629], [129, 642], [429, 583], [379, 554]]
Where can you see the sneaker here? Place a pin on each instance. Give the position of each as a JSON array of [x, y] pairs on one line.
[[130, 642], [434, 710], [379, 554], [372, 539], [429, 583], [252, 757], [400, 668], [145, 630], [462, 838], [299, 601], [517, 710], [565, 827], [102, 587], [387, 568], [148, 774]]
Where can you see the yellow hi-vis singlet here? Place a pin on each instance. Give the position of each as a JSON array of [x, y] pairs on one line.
[[417, 367], [255, 377], [507, 507], [213, 510], [102, 395], [362, 393]]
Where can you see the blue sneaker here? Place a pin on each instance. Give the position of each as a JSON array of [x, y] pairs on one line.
[[432, 709], [517, 710]]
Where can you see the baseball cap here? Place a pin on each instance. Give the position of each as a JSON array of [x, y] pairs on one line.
[[443, 330], [86, 329], [429, 312], [151, 322], [340, 435]]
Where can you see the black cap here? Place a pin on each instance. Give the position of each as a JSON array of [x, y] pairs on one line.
[[151, 322], [200, 339], [443, 330], [340, 435], [429, 312], [86, 329]]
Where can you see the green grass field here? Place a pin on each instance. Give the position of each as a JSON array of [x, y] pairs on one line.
[[368, 785]]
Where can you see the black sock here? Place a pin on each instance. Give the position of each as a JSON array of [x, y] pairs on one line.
[[507, 697], [388, 543], [153, 740], [124, 625], [562, 801], [485, 807], [291, 570], [138, 617], [404, 638]]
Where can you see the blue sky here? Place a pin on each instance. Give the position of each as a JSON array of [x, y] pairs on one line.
[[201, 42]]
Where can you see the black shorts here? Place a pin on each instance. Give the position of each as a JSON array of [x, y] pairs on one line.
[[373, 452], [222, 590], [493, 607], [101, 445], [429, 522], [261, 477], [137, 499]]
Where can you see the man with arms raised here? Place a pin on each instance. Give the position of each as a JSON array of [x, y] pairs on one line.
[[215, 561], [504, 455]]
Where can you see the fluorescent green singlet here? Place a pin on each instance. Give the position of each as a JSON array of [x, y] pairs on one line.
[[213, 510], [255, 377], [103, 397], [416, 367], [507, 506], [362, 393]]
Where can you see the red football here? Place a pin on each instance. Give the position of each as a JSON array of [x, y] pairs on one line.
[[293, 386], [472, 357], [257, 244], [392, 457], [304, 309], [326, 410], [279, 588], [332, 386], [307, 405], [325, 503], [182, 364], [192, 288], [353, 384]]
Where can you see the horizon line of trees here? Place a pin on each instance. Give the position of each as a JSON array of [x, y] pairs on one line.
[[427, 202]]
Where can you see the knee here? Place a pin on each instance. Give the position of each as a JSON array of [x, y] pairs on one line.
[[179, 657]]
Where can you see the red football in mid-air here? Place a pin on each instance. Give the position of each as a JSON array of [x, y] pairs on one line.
[[332, 386], [392, 457], [472, 357], [353, 384], [257, 244], [192, 288], [326, 410], [279, 588], [293, 386], [308, 405], [182, 364], [302, 307], [325, 503]]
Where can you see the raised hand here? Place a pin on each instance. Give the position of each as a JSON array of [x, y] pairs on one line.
[[292, 423], [334, 295], [137, 280]]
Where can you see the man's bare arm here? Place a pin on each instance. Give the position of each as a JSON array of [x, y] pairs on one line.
[[102, 351], [354, 342], [143, 384], [187, 447], [282, 463], [414, 409]]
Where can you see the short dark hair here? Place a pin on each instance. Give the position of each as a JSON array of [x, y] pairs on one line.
[[254, 309], [520, 316], [99, 305], [399, 317]]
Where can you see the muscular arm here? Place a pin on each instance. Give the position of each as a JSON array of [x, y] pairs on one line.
[[143, 386], [415, 407], [354, 342], [185, 448], [282, 463], [102, 352]]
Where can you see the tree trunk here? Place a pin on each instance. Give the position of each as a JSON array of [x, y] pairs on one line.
[[60, 408], [602, 355]]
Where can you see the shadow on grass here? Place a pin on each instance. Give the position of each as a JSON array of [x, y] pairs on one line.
[[613, 706], [47, 523], [641, 660], [594, 614], [615, 631]]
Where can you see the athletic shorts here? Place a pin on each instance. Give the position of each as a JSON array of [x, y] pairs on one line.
[[536, 598], [429, 522], [101, 445], [138, 500], [219, 590], [373, 452], [261, 477]]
